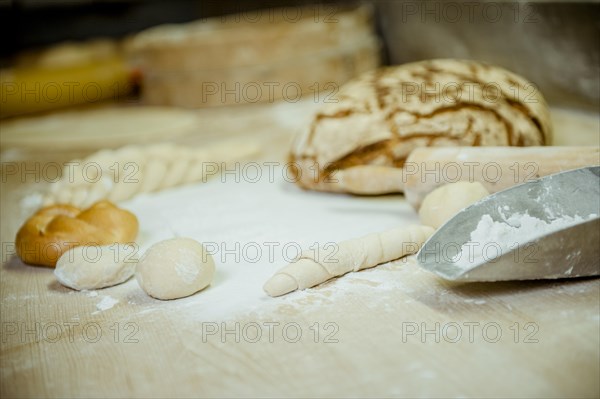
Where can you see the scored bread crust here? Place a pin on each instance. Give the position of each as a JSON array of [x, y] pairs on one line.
[[381, 116]]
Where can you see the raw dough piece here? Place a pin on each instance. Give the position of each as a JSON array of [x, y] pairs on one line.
[[445, 201], [312, 268], [175, 268], [121, 174], [92, 267]]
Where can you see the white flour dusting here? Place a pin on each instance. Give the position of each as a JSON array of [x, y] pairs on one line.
[[32, 201], [185, 268], [253, 228], [242, 295], [492, 239], [106, 303]]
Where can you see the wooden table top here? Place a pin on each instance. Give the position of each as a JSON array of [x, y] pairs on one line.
[[415, 337]]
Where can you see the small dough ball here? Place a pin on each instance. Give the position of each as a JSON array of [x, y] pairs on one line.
[[175, 268], [444, 202], [92, 267]]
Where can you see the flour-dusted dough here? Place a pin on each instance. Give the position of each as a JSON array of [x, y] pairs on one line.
[[445, 201], [93, 267], [121, 174], [312, 268], [175, 268]]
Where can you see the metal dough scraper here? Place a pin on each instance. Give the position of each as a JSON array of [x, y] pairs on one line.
[[544, 229]]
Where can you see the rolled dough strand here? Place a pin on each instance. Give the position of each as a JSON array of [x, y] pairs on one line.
[[125, 172], [176, 173], [55, 194], [152, 174], [77, 193], [311, 268], [132, 170], [87, 181], [95, 192], [196, 169]]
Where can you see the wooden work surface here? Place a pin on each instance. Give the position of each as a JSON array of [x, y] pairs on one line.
[[370, 340]]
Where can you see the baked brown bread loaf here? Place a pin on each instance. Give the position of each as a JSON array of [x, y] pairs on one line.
[[360, 143], [54, 229]]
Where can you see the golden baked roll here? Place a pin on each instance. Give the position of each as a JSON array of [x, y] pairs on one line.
[[365, 136], [54, 229]]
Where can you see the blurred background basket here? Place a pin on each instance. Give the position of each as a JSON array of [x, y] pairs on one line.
[[278, 53]]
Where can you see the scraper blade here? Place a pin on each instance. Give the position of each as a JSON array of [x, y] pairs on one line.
[[566, 245]]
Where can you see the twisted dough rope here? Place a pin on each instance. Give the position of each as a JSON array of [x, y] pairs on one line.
[[311, 268], [121, 174]]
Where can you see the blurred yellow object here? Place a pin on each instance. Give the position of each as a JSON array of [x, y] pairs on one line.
[[34, 89]]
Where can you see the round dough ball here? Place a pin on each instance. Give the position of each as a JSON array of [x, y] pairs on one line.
[[175, 268], [445, 201], [92, 267]]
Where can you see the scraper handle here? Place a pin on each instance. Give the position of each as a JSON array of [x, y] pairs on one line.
[[497, 168]]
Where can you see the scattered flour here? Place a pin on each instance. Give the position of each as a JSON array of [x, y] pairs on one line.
[[106, 303], [475, 301], [242, 295], [491, 239], [31, 201], [251, 236], [185, 268]]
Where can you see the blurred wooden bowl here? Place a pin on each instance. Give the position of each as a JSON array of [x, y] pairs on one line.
[[264, 56]]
